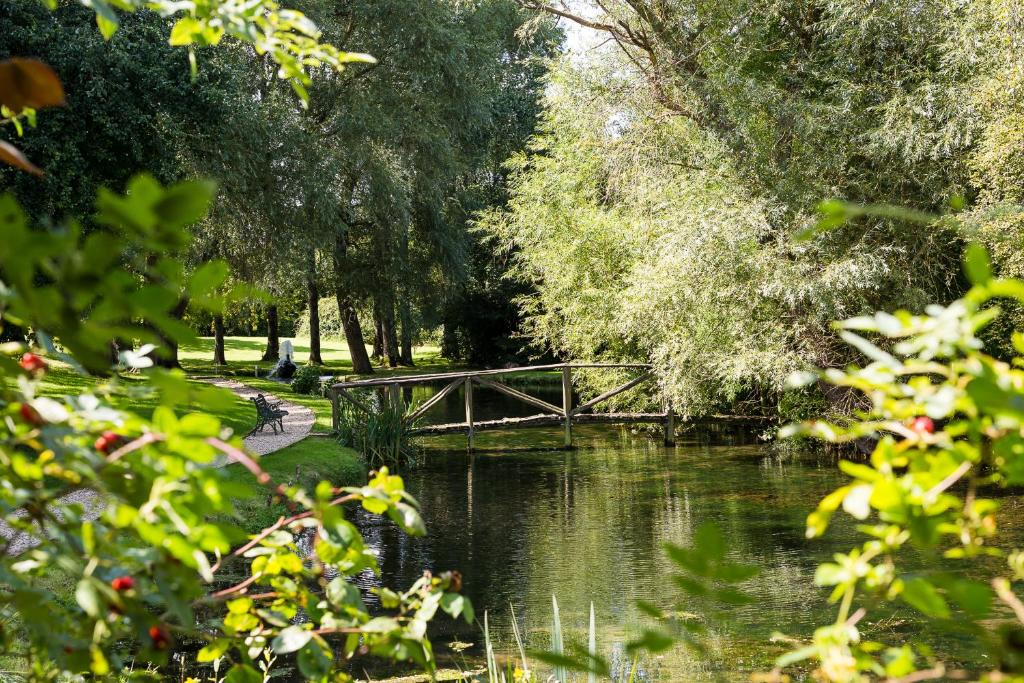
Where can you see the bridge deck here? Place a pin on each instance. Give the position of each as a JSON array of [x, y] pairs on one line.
[[565, 415]]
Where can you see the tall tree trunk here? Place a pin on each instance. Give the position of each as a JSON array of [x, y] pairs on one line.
[[405, 318], [378, 334], [390, 334], [349, 319], [273, 351], [218, 341], [314, 317], [166, 353]]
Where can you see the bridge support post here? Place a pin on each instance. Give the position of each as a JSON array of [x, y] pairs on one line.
[[470, 441], [395, 397], [567, 404], [670, 426], [335, 410]]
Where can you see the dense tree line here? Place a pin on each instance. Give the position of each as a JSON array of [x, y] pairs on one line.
[[363, 196], [660, 210]]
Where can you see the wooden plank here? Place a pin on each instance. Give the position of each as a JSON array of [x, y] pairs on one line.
[[432, 401], [469, 412], [352, 399], [567, 405], [612, 392], [450, 376], [542, 421], [515, 393]]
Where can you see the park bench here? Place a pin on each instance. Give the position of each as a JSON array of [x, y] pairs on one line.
[[267, 414]]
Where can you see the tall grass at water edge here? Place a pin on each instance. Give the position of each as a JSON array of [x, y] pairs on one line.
[[520, 671], [381, 435]]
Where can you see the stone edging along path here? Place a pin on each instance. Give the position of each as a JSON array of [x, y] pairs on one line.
[[297, 425]]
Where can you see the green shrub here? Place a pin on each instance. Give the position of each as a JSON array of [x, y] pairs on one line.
[[306, 380], [381, 436]]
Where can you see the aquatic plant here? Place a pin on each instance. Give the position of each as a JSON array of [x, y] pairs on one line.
[[381, 433], [558, 657]]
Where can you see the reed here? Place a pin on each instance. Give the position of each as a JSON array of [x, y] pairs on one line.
[[523, 673], [380, 435]]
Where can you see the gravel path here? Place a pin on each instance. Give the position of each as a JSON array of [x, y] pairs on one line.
[[297, 425]]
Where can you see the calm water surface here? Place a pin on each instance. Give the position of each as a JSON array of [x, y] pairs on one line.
[[524, 521]]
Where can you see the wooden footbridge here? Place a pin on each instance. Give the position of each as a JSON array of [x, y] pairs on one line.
[[565, 415]]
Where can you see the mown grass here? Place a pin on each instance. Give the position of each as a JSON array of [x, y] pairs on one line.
[[243, 357], [131, 394], [306, 463]]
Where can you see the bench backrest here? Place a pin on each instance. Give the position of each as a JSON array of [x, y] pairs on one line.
[[261, 403]]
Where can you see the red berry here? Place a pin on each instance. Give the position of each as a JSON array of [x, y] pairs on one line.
[[29, 415], [923, 424], [32, 363], [161, 639], [123, 583], [107, 442]]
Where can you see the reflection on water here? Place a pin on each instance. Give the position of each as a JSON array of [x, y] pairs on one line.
[[589, 524]]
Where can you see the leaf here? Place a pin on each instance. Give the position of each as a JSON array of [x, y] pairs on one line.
[[457, 605], [407, 517], [923, 596], [291, 639], [213, 651], [207, 278], [342, 593], [651, 641], [857, 502], [976, 264], [29, 84], [185, 31], [859, 471], [185, 203], [973, 597], [242, 673], [107, 27], [829, 574], [315, 660], [795, 656], [88, 598], [12, 156], [709, 541]]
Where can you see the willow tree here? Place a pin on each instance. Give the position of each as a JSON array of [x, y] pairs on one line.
[[760, 110]]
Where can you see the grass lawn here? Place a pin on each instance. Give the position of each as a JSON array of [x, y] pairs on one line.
[[306, 464], [133, 395], [243, 356]]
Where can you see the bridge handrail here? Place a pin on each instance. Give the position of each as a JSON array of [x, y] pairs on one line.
[[451, 376]]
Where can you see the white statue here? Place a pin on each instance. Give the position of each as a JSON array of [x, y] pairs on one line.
[[285, 367]]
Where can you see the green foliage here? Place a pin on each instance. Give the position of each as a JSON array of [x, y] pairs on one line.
[[661, 209], [287, 36], [947, 424], [133, 511], [614, 225], [307, 380], [304, 465], [380, 434]]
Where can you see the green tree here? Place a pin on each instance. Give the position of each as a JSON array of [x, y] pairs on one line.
[[760, 111]]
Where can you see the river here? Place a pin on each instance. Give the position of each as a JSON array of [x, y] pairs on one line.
[[523, 520]]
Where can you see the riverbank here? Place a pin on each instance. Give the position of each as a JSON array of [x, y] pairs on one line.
[[305, 464]]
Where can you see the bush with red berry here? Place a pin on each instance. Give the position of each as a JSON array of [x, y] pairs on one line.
[[947, 422], [158, 542]]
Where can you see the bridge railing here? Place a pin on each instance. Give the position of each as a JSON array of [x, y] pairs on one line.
[[565, 415]]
